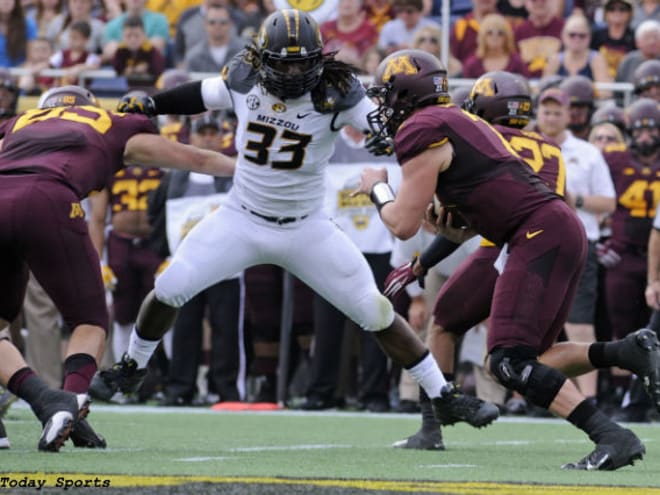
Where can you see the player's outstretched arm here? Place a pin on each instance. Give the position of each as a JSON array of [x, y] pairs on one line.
[[152, 150]]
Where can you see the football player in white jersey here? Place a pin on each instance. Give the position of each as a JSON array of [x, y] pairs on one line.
[[291, 101]]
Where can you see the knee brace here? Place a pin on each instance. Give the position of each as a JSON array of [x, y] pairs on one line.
[[517, 368]]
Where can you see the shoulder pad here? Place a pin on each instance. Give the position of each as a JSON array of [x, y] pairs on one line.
[[238, 74], [335, 102]]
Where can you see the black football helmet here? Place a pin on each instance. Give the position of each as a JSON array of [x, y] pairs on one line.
[[9, 99], [405, 81], [291, 53], [644, 114], [609, 113], [646, 76], [67, 96], [501, 97]]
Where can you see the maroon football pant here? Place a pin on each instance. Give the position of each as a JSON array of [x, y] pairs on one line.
[[43, 228], [534, 293], [464, 300]]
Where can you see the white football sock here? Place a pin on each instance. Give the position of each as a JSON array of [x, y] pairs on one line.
[[140, 349], [428, 375]]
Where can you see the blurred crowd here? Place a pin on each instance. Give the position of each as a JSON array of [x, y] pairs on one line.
[[225, 345]]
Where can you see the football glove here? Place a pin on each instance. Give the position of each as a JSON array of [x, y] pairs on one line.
[[607, 256], [109, 278], [137, 104], [400, 278], [379, 145]]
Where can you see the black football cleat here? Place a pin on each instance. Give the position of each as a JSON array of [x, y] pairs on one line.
[[124, 377], [640, 353], [617, 449], [83, 435], [422, 440], [454, 406], [4, 441], [60, 412]]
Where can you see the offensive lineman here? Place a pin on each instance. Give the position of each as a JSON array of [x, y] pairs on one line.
[[51, 158], [545, 242]]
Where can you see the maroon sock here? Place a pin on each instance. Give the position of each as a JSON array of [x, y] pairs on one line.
[[78, 372], [17, 379]]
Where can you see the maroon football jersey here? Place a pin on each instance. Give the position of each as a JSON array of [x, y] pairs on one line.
[[541, 154], [82, 147], [638, 191], [488, 182], [130, 187]]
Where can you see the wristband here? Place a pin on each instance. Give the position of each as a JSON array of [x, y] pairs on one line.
[[381, 194], [579, 201]]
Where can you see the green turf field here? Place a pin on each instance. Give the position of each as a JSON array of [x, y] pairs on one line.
[[321, 453]]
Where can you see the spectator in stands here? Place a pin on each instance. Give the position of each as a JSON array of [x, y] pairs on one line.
[[577, 58], [646, 9], [171, 9], [351, 33], [379, 12], [616, 37], [371, 60], [647, 39], [514, 11], [136, 58], [78, 10], [429, 38], [219, 47], [44, 13], [466, 29], [76, 58], [496, 49], [155, 28], [605, 134], [399, 32], [15, 33], [539, 37], [38, 55], [190, 28], [255, 12]]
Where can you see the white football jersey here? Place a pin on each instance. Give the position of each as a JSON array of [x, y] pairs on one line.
[[283, 145]]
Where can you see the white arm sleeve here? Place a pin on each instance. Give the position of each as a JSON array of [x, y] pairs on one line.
[[215, 94], [357, 116]]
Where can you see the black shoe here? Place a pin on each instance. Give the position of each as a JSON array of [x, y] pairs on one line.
[[641, 355], [619, 448], [315, 403], [124, 377], [453, 406], [422, 440], [83, 435], [172, 400], [60, 412], [4, 441]]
